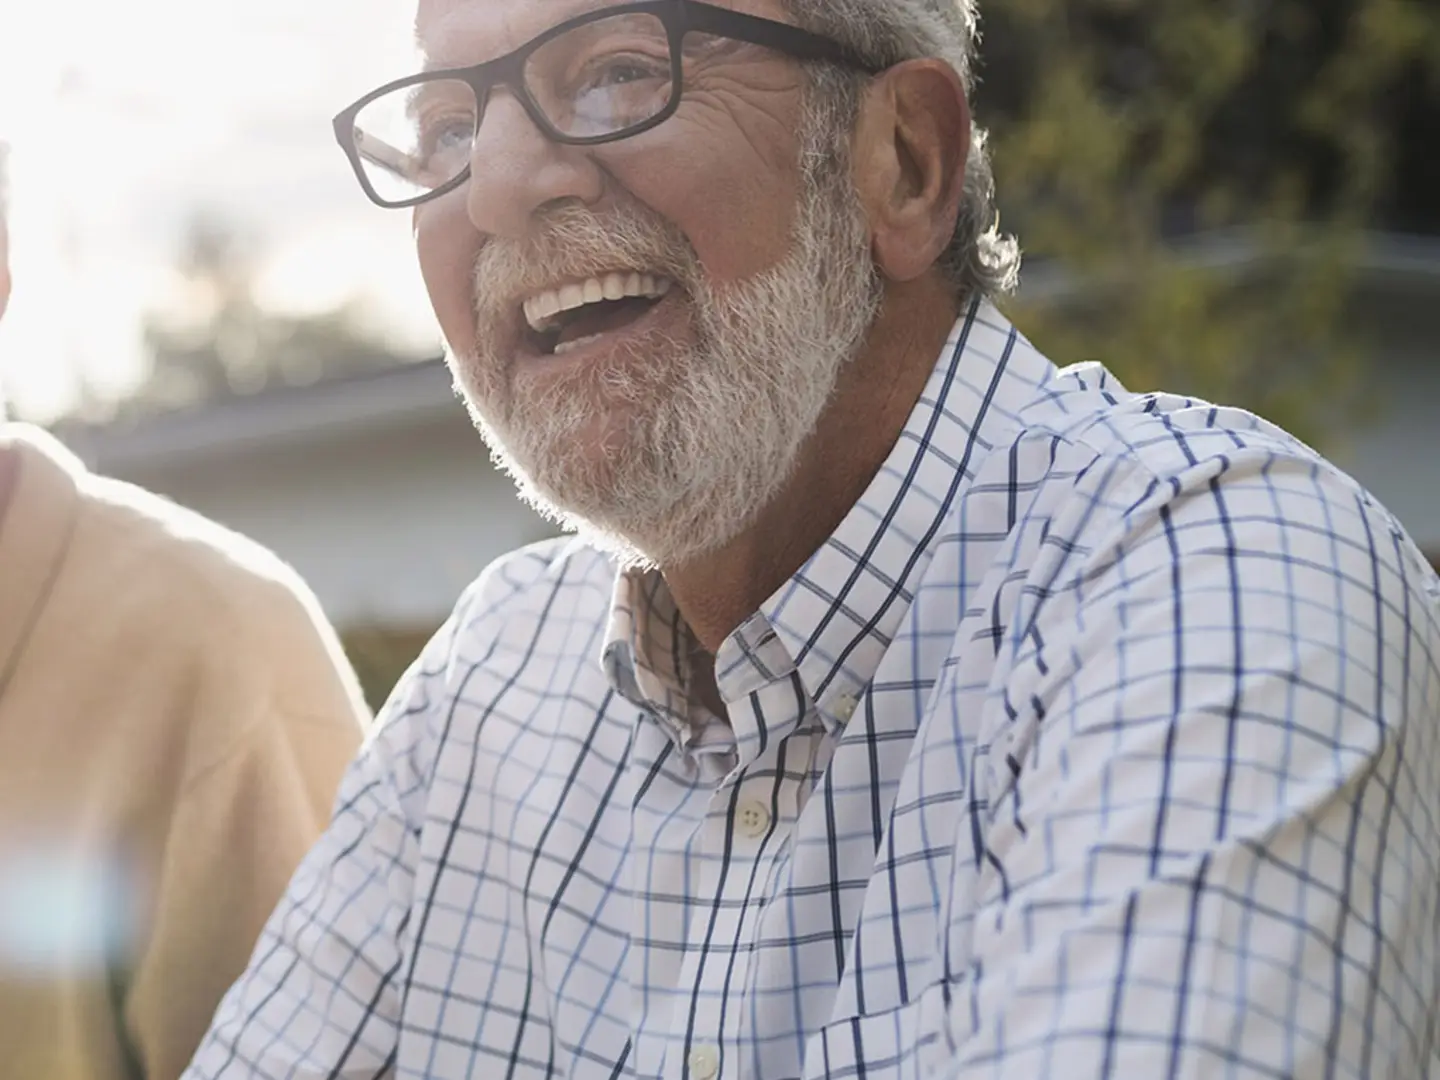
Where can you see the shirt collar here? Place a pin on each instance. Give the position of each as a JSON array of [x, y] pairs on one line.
[[834, 619], [647, 651], [839, 613]]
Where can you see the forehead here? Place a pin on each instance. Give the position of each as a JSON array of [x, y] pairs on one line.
[[469, 31], [453, 33]]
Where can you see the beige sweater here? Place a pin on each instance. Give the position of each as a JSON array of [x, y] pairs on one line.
[[175, 715]]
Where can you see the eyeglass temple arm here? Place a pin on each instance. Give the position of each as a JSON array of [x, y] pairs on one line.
[[798, 42], [383, 154]]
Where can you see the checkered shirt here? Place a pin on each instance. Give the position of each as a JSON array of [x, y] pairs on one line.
[[1102, 739]]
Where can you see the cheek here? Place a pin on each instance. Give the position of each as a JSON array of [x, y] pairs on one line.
[[447, 248], [734, 204]]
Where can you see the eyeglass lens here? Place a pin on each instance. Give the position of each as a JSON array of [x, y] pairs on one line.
[[600, 78]]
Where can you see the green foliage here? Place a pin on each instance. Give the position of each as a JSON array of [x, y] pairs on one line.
[[1120, 127]]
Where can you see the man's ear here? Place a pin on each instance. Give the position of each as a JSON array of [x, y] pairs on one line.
[[912, 144]]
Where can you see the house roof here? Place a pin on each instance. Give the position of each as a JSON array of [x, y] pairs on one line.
[[287, 415], [1385, 260], [278, 415]]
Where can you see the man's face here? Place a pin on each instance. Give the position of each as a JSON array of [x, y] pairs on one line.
[[661, 423]]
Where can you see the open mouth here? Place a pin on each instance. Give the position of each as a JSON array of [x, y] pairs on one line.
[[574, 314]]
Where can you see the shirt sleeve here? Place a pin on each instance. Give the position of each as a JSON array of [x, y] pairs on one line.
[[321, 996], [1207, 842]]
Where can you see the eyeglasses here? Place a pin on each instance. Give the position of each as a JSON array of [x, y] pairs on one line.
[[597, 78]]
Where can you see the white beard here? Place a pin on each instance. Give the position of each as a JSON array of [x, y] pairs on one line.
[[716, 428]]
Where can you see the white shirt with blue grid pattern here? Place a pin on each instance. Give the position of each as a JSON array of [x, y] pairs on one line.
[[1102, 739]]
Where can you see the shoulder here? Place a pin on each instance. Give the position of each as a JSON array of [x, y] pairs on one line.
[[241, 620], [533, 601], [211, 574], [1091, 473], [1160, 434], [1125, 455], [542, 604], [532, 581], [1161, 491]]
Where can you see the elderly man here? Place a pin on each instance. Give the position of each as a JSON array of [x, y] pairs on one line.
[[906, 706], [175, 717]]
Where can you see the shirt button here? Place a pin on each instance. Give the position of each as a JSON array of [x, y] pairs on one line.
[[704, 1062], [845, 708], [753, 818]]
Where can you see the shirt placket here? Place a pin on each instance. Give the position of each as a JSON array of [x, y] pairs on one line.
[[748, 826]]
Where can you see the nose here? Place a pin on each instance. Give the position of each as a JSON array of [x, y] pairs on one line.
[[515, 171]]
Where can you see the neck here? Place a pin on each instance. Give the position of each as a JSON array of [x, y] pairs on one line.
[[873, 399]]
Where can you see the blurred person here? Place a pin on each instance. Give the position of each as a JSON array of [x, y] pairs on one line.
[[906, 705], [175, 716]]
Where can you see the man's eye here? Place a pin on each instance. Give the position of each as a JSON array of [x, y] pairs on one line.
[[625, 73], [445, 135], [623, 70]]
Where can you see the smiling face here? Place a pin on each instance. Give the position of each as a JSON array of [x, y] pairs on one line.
[[647, 331]]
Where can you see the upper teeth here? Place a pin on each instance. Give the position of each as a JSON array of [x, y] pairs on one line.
[[542, 308]]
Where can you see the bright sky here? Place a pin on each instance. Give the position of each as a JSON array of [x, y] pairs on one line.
[[127, 117]]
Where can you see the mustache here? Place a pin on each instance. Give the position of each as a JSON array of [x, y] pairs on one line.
[[572, 241]]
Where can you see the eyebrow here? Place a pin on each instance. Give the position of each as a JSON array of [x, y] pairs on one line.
[[418, 95]]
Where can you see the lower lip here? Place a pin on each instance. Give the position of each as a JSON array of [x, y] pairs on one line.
[[600, 346]]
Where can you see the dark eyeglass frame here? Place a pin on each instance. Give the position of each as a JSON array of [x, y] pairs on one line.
[[680, 17]]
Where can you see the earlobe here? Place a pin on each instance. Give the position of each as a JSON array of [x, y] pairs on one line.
[[919, 134]]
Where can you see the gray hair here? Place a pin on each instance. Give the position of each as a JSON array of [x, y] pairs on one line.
[[979, 260]]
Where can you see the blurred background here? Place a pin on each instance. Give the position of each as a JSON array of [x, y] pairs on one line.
[[1238, 199]]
